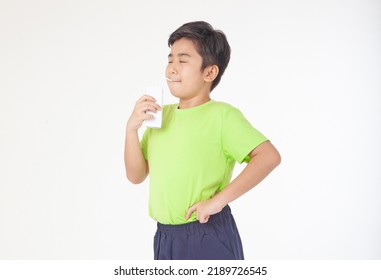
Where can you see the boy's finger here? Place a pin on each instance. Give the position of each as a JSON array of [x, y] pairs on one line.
[[148, 117], [190, 211], [146, 98], [149, 107], [204, 220]]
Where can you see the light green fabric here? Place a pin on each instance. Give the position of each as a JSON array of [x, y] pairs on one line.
[[193, 155]]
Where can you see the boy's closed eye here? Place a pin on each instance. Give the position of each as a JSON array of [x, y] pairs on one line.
[[181, 61]]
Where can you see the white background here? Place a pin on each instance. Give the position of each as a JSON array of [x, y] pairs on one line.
[[305, 73]]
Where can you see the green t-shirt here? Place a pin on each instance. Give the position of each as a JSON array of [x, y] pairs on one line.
[[192, 156]]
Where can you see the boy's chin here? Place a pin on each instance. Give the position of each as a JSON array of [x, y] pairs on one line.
[[176, 93]]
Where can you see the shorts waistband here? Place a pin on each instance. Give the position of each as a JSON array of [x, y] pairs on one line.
[[225, 212]]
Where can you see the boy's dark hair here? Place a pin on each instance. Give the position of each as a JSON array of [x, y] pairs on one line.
[[211, 44]]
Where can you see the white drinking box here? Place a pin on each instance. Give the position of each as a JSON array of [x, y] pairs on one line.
[[157, 93]]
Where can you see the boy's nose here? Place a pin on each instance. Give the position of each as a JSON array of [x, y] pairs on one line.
[[171, 70]]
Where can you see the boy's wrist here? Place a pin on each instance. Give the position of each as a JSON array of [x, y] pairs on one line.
[[131, 129], [220, 200]]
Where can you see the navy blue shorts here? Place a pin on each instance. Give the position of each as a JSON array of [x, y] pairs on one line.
[[218, 239]]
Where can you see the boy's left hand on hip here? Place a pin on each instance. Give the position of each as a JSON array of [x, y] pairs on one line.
[[203, 210]]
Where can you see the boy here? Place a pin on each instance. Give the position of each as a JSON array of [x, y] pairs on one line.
[[191, 158]]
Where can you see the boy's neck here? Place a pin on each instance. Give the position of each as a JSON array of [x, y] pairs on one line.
[[193, 102]]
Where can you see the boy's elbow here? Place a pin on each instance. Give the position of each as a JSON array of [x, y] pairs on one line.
[[272, 156], [276, 158], [268, 153], [136, 180], [137, 174]]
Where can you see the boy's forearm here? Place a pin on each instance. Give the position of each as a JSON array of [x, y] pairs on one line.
[[258, 168], [264, 159], [135, 163]]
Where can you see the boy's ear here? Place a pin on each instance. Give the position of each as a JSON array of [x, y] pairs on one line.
[[211, 73]]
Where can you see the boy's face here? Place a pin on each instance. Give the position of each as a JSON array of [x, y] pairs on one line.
[[184, 70]]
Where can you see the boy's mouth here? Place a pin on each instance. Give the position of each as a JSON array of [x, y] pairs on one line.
[[172, 80]]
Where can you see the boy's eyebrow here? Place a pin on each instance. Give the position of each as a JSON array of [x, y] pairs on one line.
[[180, 55]]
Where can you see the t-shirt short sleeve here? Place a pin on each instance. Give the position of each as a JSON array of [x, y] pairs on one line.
[[239, 137]]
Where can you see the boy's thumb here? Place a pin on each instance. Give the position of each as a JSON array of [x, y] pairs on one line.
[[190, 211]]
